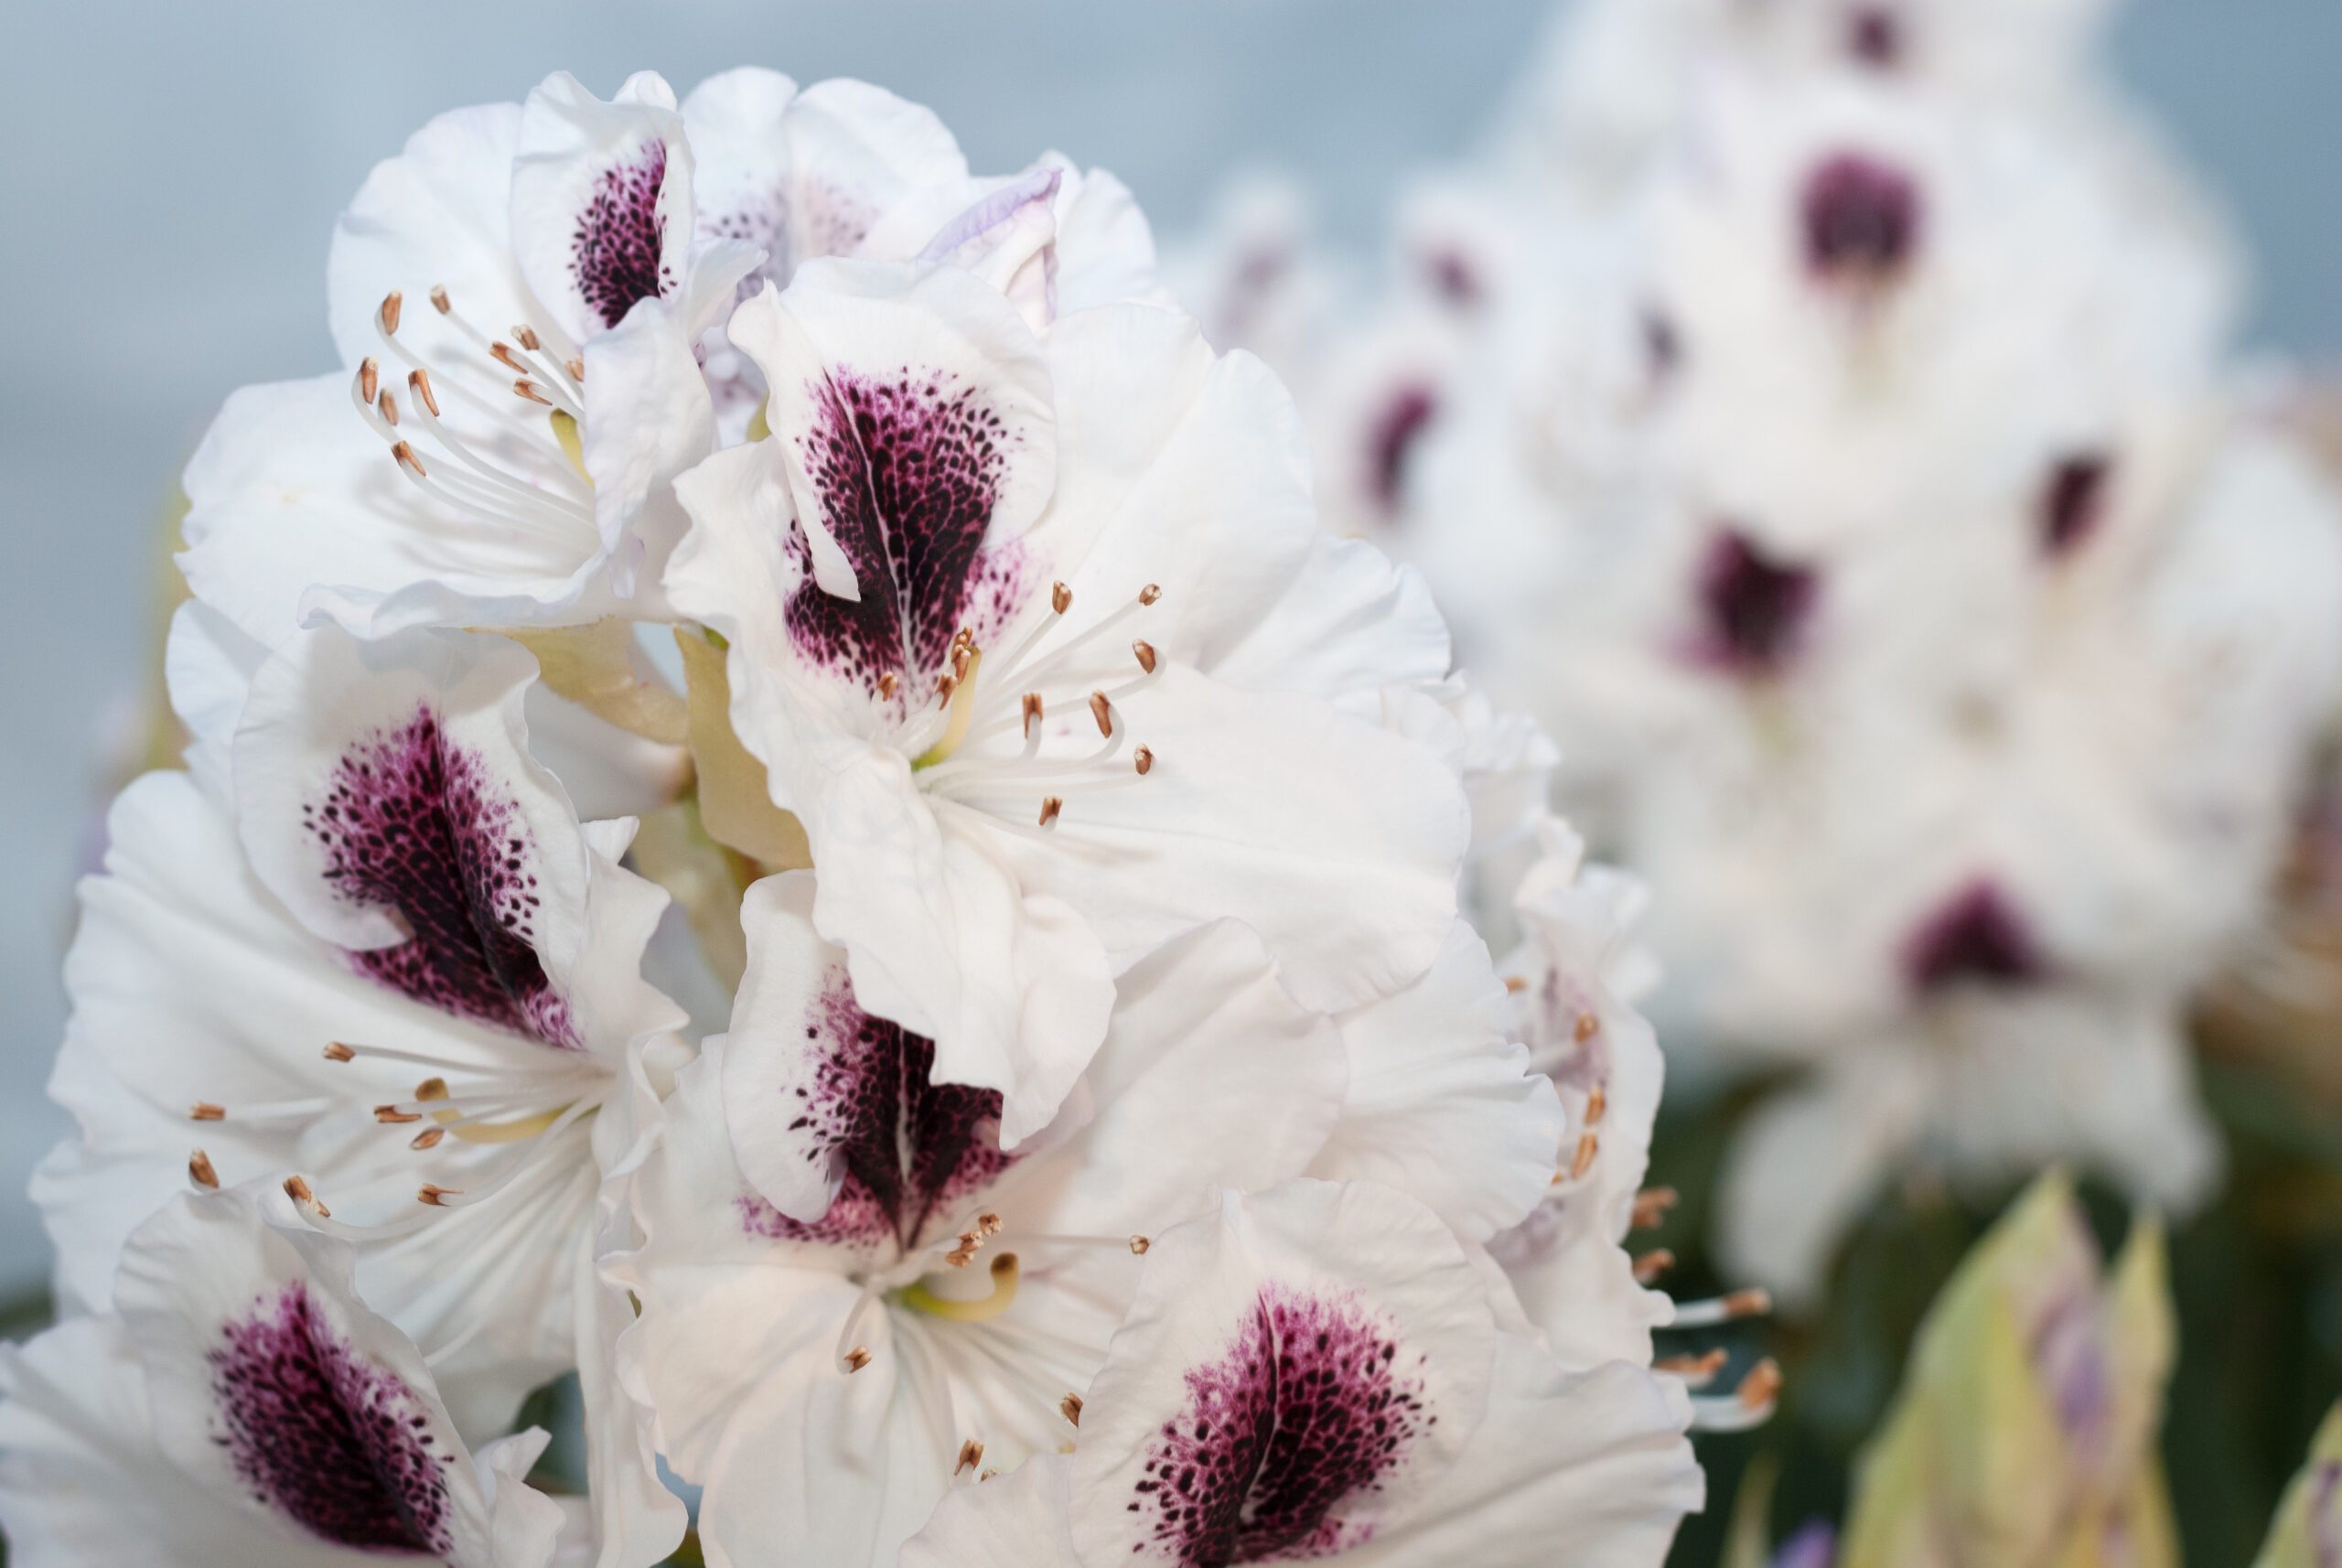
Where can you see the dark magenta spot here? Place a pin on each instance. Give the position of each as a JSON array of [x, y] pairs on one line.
[[1875, 38], [908, 470], [2074, 503], [1454, 278], [327, 1437], [414, 825], [1306, 1409], [909, 1147], [1391, 441], [1976, 938], [614, 250], [1756, 607], [1662, 344], [1862, 221]]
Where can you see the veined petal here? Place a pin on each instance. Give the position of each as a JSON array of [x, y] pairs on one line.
[[1019, 1520], [1272, 808], [1442, 1105]]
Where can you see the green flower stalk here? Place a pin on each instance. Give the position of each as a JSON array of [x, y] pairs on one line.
[[2024, 1433], [2308, 1529]]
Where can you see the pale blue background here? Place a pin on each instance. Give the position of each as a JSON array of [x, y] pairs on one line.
[[171, 171]]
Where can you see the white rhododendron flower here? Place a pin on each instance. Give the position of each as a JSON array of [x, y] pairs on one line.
[[242, 1404], [517, 299], [399, 969], [1038, 961], [1319, 1371], [1032, 632], [852, 1290]]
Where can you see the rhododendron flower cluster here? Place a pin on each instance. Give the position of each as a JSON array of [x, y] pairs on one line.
[[1820, 417], [786, 810]]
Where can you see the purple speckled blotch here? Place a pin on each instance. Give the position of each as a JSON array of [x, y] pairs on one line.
[[909, 467], [1754, 607], [414, 825], [1862, 221], [908, 1147], [615, 249], [2073, 503], [1976, 936], [1391, 440], [325, 1436], [1308, 1406], [1875, 38]]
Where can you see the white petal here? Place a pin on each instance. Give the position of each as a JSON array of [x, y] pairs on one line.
[[435, 216], [1362, 1292], [1018, 1521], [1270, 808], [1591, 1466], [299, 513], [602, 213], [1442, 1105], [82, 1481], [257, 1352]]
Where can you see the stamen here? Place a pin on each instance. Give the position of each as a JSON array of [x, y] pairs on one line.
[[1031, 703], [1597, 1101], [1652, 1208], [1652, 1264], [972, 1454], [369, 375], [528, 388], [389, 314], [391, 1115], [1588, 1145], [204, 1110], [1149, 594], [407, 459], [1060, 598], [1586, 1028], [856, 1358], [1070, 1407], [1697, 1371], [577, 368], [526, 336], [428, 1138], [1748, 1407], [439, 298], [388, 405], [1103, 711], [298, 1189], [1515, 985], [418, 381], [200, 1172], [1732, 1309], [502, 354], [1050, 806], [1145, 652], [436, 1197], [1144, 760], [337, 1052]]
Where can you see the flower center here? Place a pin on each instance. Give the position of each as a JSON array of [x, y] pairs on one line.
[[966, 763], [504, 467]]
